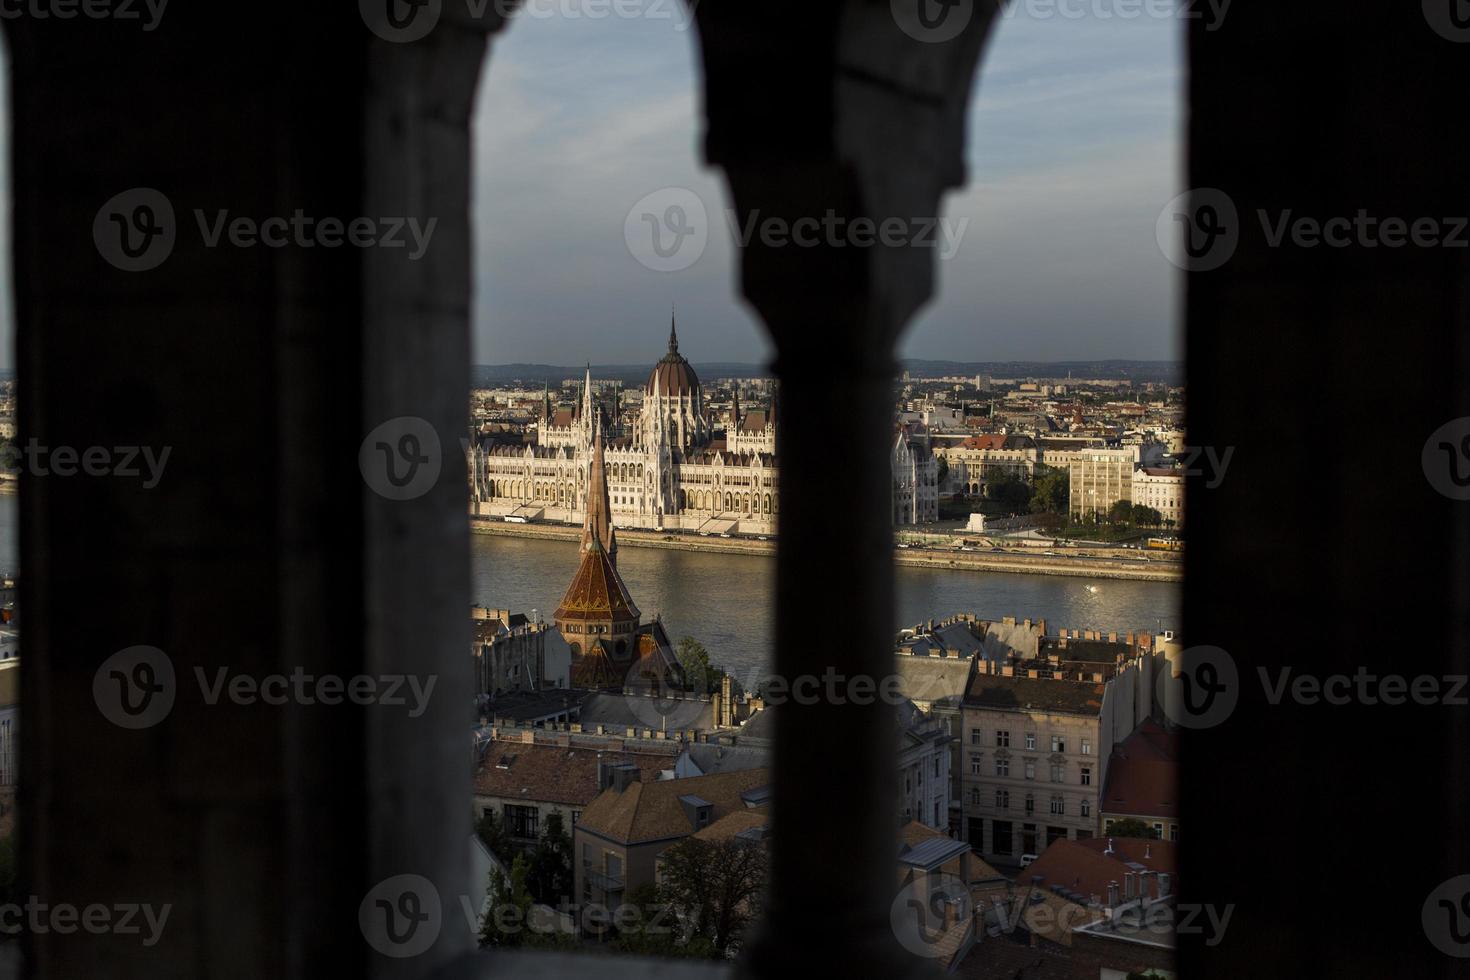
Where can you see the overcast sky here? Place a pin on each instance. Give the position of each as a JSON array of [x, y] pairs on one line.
[[1073, 151]]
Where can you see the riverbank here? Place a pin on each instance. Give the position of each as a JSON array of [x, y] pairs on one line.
[[1133, 569]]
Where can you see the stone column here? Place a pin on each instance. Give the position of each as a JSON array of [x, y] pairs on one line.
[[833, 113]]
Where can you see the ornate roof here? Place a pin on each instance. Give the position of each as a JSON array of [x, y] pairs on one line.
[[597, 593], [672, 373]]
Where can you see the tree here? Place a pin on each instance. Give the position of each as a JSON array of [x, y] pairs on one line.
[[695, 664], [1144, 516], [1050, 490], [1009, 490], [495, 836], [1130, 827], [715, 886], [655, 932], [943, 471], [1120, 512], [549, 876], [510, 907]]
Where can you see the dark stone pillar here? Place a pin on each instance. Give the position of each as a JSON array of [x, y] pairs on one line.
[[262, 549], [816, 111], [1326, 546]]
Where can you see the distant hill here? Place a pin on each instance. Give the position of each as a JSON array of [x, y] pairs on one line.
[[1171, 372]]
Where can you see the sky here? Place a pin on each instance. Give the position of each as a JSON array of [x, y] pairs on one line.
[[1072, 149]]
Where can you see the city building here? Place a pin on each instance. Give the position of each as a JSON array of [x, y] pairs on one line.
[[514, 653], [523, 780], [975, 461], [1143, 781], [1162, 488], [924, 751], [1097, 478], [915, 479], [621, 833], [610, 645]]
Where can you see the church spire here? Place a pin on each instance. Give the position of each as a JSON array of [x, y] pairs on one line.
[[597, 530], [673, 333]]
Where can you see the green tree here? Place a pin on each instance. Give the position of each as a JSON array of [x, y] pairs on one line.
[[716, 887], [496, 837], [1050, 489], [549, 877], [1145, 516], [943, 471], [1120, 512], [695, 663], [1009, 490], [510, 907], [1130, 827]]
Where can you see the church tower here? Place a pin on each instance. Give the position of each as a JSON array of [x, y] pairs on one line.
[[597, 615]]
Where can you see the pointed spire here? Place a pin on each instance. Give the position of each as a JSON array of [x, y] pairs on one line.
[[597, 530], [673, 333]]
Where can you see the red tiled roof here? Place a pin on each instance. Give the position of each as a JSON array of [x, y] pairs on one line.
[[1082, 866], [1143, 774]]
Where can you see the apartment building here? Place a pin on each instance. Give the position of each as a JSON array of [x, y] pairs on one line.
[[1097, 478], [1162, 488], [1143, 781], [617, 841], [975, 461], [924, 743], [1037, 735]]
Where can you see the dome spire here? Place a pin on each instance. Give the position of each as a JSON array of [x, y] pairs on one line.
[[673, 332]]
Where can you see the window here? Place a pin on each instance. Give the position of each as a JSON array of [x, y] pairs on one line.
[[1087, 746], [1002, 767], [1002, 799], [1003, 739], [1086, 776], [1087, 808], [1030, 803], [1174, 832], [975, 738], [1030, 768], [975, 760], [1158, 831], [1058, 743], [520, 821], [936, 767], [1058, 773], [1001, 836], [1058, 805], [975, 796], [1031, 740]]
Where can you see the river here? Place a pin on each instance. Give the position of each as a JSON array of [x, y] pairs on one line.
[[726, 601]]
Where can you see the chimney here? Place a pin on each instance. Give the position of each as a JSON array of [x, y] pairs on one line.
[[1109, 848], [1163, 884], [1112, 894], [1147, 847]]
